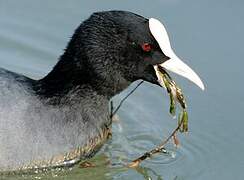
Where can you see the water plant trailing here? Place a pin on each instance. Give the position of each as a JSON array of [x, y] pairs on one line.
[[176, 98]]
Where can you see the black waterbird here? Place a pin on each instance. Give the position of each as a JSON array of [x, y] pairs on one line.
[[64, 117]]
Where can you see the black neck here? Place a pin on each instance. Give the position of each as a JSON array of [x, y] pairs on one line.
[[70, 75], [87, 63]]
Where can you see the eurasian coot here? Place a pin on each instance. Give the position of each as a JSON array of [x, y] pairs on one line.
[[64, 117]]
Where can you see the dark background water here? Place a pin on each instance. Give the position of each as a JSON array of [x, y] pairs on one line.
[[208, 35]]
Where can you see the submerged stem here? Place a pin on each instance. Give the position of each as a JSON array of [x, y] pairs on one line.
[[155, 150], [176, 95]]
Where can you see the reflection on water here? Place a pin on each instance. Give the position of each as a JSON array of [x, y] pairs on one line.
[[208, 35], [148, 173]]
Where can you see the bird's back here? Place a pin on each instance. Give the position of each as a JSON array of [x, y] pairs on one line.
[[33, 130]]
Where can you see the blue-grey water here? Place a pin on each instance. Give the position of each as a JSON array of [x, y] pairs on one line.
[[208, 35]]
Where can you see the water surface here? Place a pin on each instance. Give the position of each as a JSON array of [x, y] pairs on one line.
[[208, 35]]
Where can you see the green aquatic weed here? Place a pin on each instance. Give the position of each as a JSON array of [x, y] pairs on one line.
[[176, 95]]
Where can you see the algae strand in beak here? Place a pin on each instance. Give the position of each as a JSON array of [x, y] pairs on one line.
[[176, 96], [185, 121], [167, 83]]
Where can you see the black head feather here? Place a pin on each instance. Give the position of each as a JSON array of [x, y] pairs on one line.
[[105, 54]]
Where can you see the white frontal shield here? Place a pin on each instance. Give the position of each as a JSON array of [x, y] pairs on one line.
[[174, 64]]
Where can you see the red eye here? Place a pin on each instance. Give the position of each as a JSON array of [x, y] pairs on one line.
[[146, 47]]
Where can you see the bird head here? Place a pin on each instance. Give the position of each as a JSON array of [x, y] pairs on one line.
[[119, 47]]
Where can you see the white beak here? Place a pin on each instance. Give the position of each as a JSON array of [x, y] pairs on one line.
[[174, 64]]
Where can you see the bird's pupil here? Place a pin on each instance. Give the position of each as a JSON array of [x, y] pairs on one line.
[[146, 47]]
